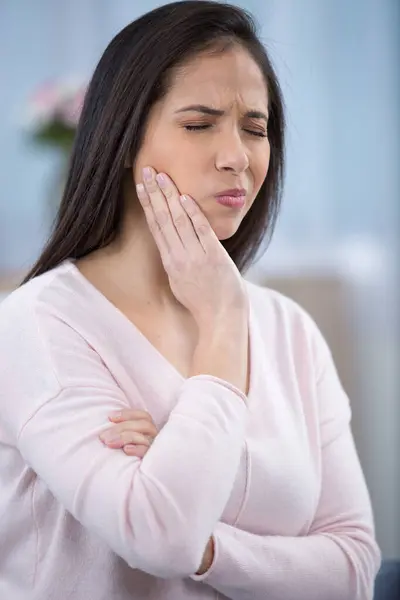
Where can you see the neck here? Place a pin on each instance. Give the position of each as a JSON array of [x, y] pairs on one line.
[[134, 264]]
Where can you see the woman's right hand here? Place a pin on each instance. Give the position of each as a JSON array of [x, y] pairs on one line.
[[201, 273], [133, 431]]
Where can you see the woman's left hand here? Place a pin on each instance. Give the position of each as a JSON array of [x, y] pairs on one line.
[[133, 431]]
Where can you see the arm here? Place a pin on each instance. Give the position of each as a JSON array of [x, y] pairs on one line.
[[149, 510], [339, 558]]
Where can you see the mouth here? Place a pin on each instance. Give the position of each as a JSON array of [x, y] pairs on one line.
[[233, 198]]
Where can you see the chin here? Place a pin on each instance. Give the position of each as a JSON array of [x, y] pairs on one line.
[[225, 230]]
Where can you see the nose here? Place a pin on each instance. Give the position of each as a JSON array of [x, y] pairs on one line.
[[231, 153]]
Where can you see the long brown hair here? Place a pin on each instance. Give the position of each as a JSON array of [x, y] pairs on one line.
[[132, 75]]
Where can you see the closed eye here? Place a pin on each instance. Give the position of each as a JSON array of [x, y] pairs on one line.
[[196, 127], [261, 134]]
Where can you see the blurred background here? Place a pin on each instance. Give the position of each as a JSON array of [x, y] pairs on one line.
[[335, 249]]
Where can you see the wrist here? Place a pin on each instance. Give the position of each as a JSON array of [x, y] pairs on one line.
[[230, 311], [208, 557], [220, 324], [222, 350]]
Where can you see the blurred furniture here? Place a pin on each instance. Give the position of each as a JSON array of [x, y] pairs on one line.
[[8, 282], [387, 584]]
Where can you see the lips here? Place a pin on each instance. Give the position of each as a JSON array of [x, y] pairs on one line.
[[233, 198], [234, 193]]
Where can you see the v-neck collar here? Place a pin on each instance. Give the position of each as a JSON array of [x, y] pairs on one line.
[[168, 368]]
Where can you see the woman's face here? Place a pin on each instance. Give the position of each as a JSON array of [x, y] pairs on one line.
[[209, 135]]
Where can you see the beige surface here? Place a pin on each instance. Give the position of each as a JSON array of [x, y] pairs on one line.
[[9, 281]]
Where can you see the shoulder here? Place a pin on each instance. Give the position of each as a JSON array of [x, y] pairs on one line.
[[287, 326], [272, 307], [298, 354], [31, 310], [40, 347], [55, 295], [34, 293]]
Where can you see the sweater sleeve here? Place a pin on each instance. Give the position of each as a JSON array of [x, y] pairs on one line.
[[339, 558], [155, 513]]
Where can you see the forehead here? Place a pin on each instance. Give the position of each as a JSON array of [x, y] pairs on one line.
[[218, 79]]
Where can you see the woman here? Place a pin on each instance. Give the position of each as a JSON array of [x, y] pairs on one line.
[[252, 487]]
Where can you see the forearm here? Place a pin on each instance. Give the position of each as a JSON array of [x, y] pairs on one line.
[[222, 349], [337, 560], [149, 510], [337, 566]]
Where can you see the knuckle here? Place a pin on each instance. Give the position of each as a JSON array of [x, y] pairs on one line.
[[127, 436], [180, 221], [151, 186], [145, 201], [162, 217], [142, 425], [151, 430], [192, 209], [202, 229], [152, 223], [168, 192]]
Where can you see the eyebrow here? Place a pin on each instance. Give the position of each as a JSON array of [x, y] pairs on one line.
[[207, 110]]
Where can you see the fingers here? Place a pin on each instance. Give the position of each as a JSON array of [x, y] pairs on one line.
[[132, 430], [129, 414], [152, 223], [180, 218], [138, 451], [200, 223], [168, 220], [157, 211], [141, 426], [121, 439]]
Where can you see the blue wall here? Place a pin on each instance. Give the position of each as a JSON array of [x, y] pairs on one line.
[[338, 63]]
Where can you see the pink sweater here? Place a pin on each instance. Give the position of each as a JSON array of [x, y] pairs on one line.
[[274, 476]]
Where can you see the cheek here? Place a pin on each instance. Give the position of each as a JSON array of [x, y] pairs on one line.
[[151, 155], [170, 157], [259, 167]]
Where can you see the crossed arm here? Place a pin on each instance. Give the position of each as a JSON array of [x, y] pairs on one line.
[[147, 509], [338, 559]]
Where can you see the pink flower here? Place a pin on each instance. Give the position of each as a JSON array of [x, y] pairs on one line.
[[56, 101], [72, 108]]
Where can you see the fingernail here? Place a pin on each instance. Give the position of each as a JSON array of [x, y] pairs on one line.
[[147, 174], [161, 180], [109, 436], [140, 189], [129, 447], [115, 415]]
